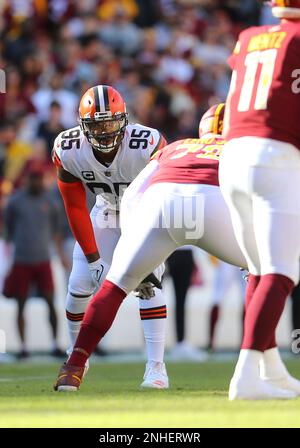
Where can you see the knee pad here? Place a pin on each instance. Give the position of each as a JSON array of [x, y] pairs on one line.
[[76, 305], [80, 280], [81, 285]]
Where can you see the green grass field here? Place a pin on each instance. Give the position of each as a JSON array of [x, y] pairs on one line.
[[110, 397]]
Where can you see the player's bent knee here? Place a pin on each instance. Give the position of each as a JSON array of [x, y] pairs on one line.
[[80, 290], [76, 306], [79, 296], [81, 285]]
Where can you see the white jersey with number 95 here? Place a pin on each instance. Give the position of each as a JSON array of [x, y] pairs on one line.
[[73, 153]]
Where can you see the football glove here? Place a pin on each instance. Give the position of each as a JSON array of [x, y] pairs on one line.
[[145, 290], [96, 269]]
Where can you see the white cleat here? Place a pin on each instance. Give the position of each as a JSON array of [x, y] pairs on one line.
[[274, 372], [287, 382], [155, 376], [67, 389], [257, 389]]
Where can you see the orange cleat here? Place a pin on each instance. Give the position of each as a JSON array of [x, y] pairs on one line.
[[69, 378]]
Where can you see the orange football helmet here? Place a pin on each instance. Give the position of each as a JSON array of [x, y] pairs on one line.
[[103, 117], [212, 121], [286, 9]]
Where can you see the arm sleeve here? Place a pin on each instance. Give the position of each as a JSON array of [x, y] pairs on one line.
[[74, 197]]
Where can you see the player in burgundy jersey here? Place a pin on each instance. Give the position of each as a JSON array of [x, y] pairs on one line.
[[260, 181]]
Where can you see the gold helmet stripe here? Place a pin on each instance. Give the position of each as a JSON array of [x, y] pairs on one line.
[[216, 118], [283, 2]]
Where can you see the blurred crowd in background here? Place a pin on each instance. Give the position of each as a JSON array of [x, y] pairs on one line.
[[168, 58]]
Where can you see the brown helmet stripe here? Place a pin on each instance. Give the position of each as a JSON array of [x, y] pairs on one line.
[[97, 99], [105, 95]]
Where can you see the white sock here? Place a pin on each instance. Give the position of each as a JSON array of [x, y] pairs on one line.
[[271, 364], [154, 329], [248, 363], [75, 306]]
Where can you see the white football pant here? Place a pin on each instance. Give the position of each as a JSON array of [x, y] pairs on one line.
[[163, 217], [260, 181], [81, 288]]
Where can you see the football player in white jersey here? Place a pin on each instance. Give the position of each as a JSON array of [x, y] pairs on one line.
[[106, 154]]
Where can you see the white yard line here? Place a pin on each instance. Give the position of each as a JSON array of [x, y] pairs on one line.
[[25, 378]]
